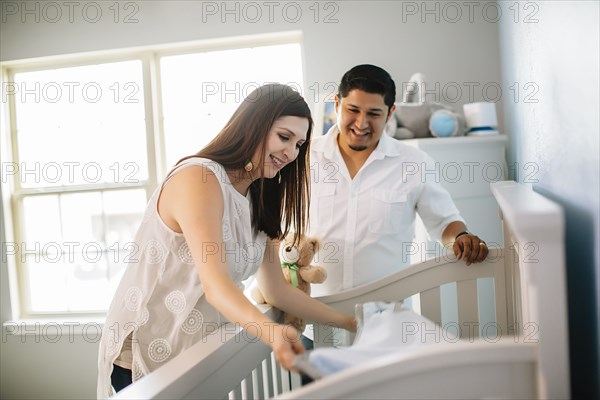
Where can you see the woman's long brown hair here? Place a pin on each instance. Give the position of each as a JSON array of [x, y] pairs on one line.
[[277, 208]]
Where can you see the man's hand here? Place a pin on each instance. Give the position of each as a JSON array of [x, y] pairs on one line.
[[470, 248]]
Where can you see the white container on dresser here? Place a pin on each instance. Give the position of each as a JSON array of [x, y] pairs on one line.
[[466, 166]]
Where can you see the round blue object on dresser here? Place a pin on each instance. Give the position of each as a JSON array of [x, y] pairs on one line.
[[443, 123]]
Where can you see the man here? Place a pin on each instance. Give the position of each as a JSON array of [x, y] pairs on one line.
[[366, 189]]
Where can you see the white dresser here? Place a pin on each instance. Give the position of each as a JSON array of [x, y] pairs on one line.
[[466, 166]]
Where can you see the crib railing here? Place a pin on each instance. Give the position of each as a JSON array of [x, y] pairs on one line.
[[228, 364], [474, 297], [231, 365]]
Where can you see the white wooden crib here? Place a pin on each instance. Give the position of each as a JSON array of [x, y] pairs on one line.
[[520, 351]]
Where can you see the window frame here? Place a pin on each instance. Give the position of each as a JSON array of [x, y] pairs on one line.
[[150, 57]]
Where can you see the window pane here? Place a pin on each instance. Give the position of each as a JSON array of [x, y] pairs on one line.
[[81, 125], [69, 282], [77, 247], [46, 276], [201, 91], [123, 212], [88, 281], [41, 221], [81, 217]]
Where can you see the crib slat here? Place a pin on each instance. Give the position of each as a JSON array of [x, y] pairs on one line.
[[295, 380], [468, 316], [430, 305], [248, 388], [259, 385], [236, 393], [244, 389], [500, 299], [488, 328], [278, 389], [285, 379], [268, 377]]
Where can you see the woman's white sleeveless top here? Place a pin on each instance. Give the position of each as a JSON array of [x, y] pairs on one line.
[[160, 299]]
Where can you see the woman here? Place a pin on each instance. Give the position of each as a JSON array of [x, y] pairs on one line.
[[215, 219]]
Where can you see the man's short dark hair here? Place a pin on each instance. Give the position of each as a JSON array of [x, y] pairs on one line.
[[371, 79]]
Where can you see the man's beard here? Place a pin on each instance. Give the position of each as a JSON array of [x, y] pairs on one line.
[[358, 148]]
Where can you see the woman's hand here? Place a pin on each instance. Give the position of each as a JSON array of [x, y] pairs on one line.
[[286, 345], [351, 324]]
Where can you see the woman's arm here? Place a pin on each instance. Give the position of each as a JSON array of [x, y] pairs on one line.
[[194, 201], [284, 296]]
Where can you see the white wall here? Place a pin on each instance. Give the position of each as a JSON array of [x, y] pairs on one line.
[[559, 135], [54, 366], [452, 50], [387, 33]]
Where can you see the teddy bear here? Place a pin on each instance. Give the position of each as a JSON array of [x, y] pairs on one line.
[[416, 118], [295, 263]]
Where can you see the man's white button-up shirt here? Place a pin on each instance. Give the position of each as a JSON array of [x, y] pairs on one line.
[[366, 224]]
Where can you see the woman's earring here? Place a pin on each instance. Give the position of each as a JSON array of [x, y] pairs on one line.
[[248, 167], [279, 177]]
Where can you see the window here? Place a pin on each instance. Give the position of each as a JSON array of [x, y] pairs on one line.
[[201, 91], [89, 145]]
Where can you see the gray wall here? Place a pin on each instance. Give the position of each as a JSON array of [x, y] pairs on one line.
[[559, 136], [452, 52]]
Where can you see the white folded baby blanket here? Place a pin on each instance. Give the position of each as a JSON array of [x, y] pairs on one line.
[[383, 329]]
